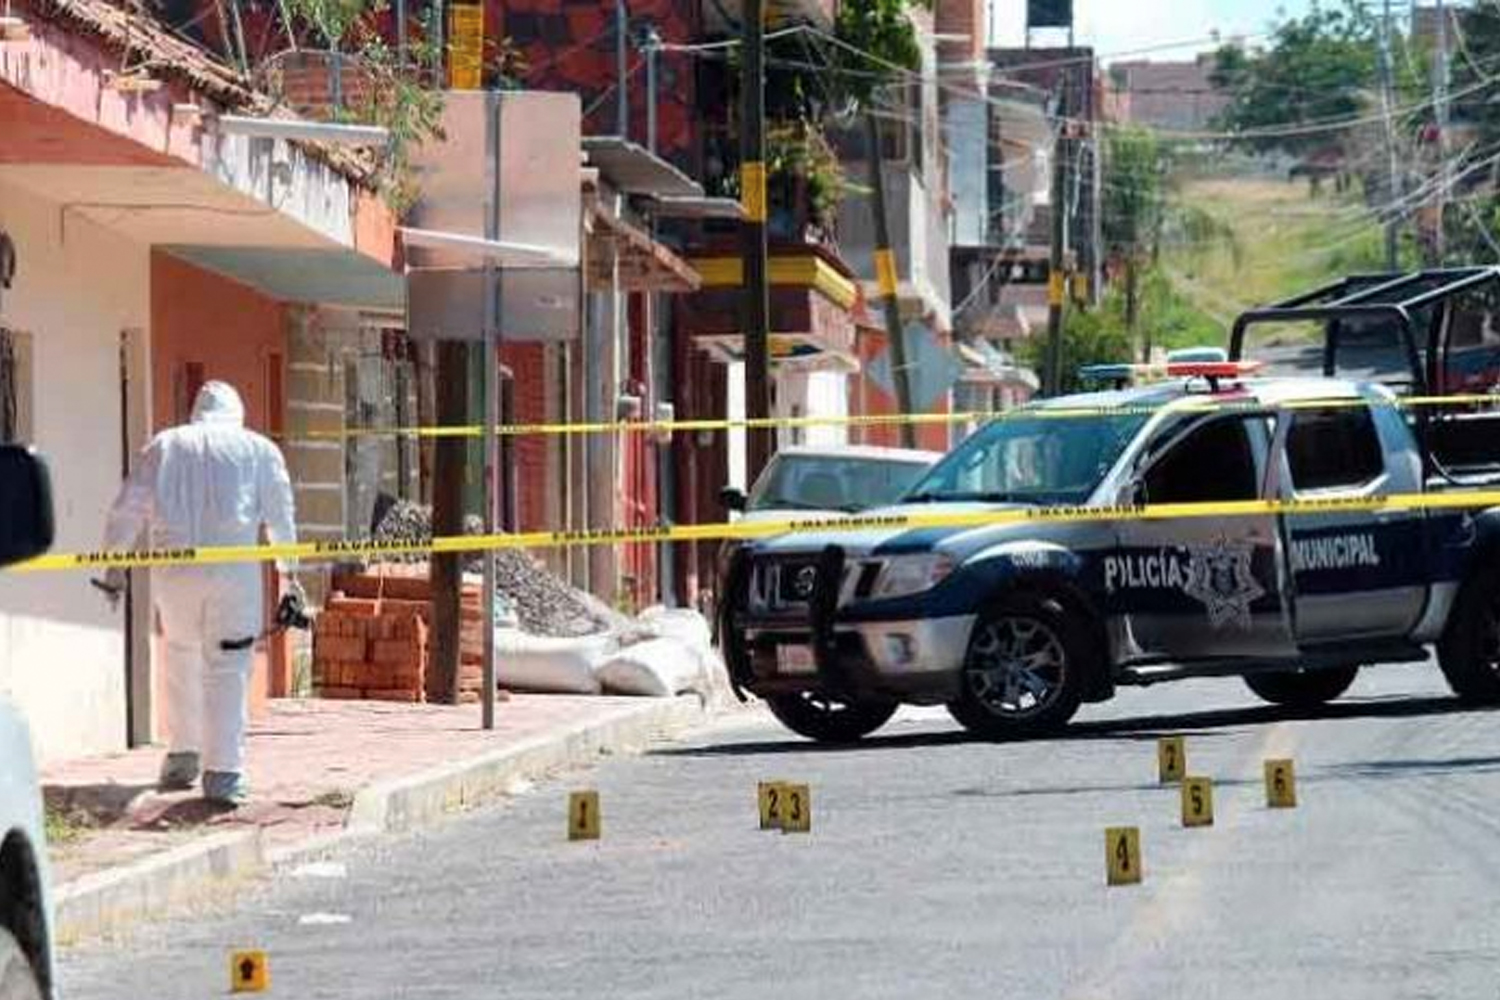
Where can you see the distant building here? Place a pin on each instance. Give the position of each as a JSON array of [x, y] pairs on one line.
[[1171, 95]]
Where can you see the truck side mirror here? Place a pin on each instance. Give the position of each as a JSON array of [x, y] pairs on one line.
[[733, 498], [26, 524], [1138, 494]]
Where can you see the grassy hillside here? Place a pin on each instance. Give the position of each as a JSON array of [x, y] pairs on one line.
[[1258, 240]]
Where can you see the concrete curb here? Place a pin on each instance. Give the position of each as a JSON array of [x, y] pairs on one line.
[[407, 803], [152, 887], [110, 901]]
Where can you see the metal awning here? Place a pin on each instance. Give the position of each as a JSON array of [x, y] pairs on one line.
[[646, 265], [688, 207], [299, 274], [800, 351], [633, 169]]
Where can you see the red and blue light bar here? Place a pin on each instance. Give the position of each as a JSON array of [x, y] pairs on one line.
[[1214, 369]]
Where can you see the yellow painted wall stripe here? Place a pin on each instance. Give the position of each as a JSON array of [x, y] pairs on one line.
[[753, 190], [885, 272], [801, 269]]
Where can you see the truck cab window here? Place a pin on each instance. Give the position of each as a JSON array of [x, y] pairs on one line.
[[1333, 448], [1214, 462]]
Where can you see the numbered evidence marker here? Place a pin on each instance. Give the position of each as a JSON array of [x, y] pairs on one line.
[[583, 816], [1281, 784], [796, 814], [1171, 759], [1197, 802], [772, 798], [1122, 855], [248, 972]]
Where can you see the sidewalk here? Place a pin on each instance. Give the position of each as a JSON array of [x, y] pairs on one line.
[[320, 770]]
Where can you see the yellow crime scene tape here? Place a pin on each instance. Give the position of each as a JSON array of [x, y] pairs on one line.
[[745, 531], [1207, 404]]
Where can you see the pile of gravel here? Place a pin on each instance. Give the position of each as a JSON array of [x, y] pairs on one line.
[[541, 602]]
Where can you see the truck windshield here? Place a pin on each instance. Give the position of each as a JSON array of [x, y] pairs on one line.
[[1031, 459]]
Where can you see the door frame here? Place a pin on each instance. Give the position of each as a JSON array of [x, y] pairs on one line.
[[1187, 586]]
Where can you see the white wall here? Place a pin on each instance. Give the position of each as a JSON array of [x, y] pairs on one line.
[[805, 392], [968, 168], [61, 649], [734, 403]]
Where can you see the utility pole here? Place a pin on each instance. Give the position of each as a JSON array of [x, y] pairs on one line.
[[757, 307], [886, 279], [1056, 278], [1393, 185], [1440, 108], [651, 45], [622, 73], [450, 455], [401, 35]]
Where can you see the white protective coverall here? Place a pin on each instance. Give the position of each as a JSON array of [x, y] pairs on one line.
[[209, 482]]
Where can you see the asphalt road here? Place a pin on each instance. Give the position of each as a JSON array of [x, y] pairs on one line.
[[936, 867]]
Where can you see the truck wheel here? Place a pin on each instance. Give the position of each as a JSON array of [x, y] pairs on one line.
[[828, 721], [1469, 651], [1025, 670], [17, 980], [1301, 688]]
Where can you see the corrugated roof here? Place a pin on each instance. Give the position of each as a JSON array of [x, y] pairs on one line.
[[126, 27]]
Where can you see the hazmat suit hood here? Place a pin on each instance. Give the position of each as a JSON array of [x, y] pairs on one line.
[[218, 403]]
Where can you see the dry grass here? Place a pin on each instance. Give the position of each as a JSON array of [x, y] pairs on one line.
[[1284, 242]]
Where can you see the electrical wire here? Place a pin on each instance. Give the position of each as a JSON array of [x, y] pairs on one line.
[[605, 94], [730, 43], [1334, 123], [562, 55]]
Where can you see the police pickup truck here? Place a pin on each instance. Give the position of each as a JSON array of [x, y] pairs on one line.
[[1013, 625]]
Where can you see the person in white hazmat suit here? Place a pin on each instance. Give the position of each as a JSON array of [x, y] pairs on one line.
[[207, 483]]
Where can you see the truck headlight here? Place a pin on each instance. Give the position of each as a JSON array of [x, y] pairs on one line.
[[912, 574]]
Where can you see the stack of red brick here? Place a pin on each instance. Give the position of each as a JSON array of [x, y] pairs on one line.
[[371, 640]]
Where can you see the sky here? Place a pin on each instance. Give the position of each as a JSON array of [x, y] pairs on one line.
[[1120, 26]]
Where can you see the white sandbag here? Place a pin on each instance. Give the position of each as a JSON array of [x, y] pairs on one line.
[[549, 664], [679, 623], [657, 668]]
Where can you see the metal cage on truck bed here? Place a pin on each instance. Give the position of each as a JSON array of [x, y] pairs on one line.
[[1443, 328]]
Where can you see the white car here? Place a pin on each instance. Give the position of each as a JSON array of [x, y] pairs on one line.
[[26, 965], [808, 480], [829, 479]]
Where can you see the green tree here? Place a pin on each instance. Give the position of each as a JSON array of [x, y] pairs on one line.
[[1101, 336], [1317, 67], [405, 99]]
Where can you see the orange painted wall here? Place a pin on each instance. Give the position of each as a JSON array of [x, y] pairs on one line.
[[865, 397], [229, 328], [235, 333], [374, 228]]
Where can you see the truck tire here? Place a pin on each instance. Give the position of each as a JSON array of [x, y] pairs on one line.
[[1301, 688], [1469, 651], [829, 721], [1026, 669], [17, 978]]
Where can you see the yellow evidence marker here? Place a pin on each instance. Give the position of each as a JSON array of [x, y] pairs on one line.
[[1171, 759], [1197, 802], [1122, 854], [248, 972], [772, 798], [583, 816], [1281, 784], [796, 814]]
